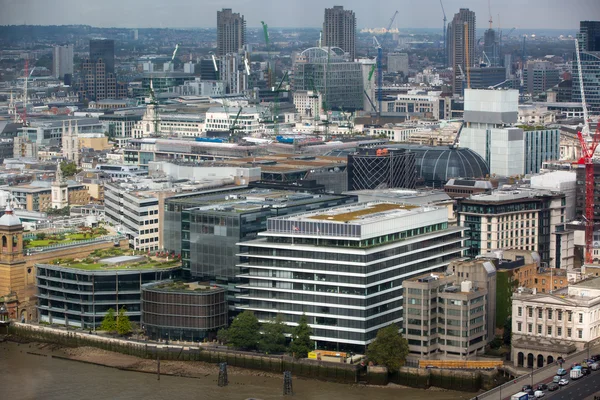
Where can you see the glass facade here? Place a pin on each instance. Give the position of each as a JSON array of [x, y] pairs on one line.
[[590, 69], [81, 298], [346, 291], [541, 146]]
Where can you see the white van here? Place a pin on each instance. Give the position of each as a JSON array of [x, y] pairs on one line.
[[594, 366]]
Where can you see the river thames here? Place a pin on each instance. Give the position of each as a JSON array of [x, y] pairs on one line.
[[28, 376]]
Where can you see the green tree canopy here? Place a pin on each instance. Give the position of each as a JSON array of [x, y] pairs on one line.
[[244, 331], [273, 337], [109, 324], [68, 168], [123, 323], [301, 343], [389, 348]]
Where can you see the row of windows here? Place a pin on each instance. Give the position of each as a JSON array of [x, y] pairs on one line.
[[550, 313]]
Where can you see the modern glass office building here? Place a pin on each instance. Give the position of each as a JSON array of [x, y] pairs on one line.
[[81, 297], [344, 267]]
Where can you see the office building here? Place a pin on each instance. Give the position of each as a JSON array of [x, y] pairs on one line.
[[49, 132], [37, 195], [344, 267], [192, 312], [231, 32], [460, 43], [398, 63], [103, 49], [580, 187], [330, 72], [464, 298], [491, 48], [564, 91], [489, 130], [540, 76], [589, 35], [339, 30], [80, 295], [207, 228], [461, 188], [546, 326], [121, 125], [416, 104], [62, 61], [486, 77], [207, 69], [381, 168], [590, 70], [522, 218]]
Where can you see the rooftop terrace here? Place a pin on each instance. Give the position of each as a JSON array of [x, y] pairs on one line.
[[100, 260], [362, 212]]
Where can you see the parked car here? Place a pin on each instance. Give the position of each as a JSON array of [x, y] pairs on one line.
[[594, 366], [585, 371], [563, 382], [526, 388], [538, 394], [561, 372], [552, 386], [556, 379]]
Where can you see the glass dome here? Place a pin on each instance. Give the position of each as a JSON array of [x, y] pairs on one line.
[[437, 164]]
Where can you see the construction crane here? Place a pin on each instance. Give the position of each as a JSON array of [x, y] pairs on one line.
[[269, 72], [175, 52], [589, 143], [379, 75], [387, 31], [444, 33], [490, 11], [276, 99]]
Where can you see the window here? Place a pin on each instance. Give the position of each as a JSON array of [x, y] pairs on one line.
[[559, 331], [518, 327], [580, 318], [530, 328], [539, 313], [520, 311], [549, 314], [549, 331], [559, 315], [569, 332], [539, 329], [569, 317], [530, 309], [579, 333]]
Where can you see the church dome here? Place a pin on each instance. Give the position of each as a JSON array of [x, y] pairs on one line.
[[9, 219]]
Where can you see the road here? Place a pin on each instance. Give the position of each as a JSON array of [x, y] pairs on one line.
[[579, 389]]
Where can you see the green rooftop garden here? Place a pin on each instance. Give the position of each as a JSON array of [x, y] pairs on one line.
[[94, 261], [179, 286], [43, 239]]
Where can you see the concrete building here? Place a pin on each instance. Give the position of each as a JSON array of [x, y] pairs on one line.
[[330, 72], [308, 104], [546, 326], [48, 132], [522, 218], [489, 130], [344, 267], [536, 115], [98, 71], [485, 77], [465, 297], [62, 61], [398, 63], [414, 104], [231, 32], [460, 42], [540, 76], [461, 188], [339, 30], [559, 181], [120, 125], [37, 195]]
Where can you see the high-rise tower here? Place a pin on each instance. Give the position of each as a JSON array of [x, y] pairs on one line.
[[231, 32], [62, 61], [103, 49], [461, 47], [339, 30]]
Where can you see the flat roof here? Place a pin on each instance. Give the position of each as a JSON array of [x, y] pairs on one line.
[[362, 212], [177, 286]]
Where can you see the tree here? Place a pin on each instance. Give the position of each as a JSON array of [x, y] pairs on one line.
[[123, 323], [273, 337], [68, 168], [301, 343], [40, 236], [222, 335], [108, 323], [389, 348], [244, 331]]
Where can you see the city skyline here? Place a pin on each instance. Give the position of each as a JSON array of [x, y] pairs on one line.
[[180, 14]]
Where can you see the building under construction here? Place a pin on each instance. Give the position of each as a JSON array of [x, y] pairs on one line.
[[381, 168]]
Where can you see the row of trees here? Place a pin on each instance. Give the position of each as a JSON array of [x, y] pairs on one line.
[[120, 325], [389, 348], [245, 334]]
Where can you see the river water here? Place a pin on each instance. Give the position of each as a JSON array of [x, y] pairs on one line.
[[28, 376]]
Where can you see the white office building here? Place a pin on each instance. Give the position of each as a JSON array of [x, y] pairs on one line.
[[343, 267]]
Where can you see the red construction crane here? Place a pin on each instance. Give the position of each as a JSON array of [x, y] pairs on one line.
[[588, 148]]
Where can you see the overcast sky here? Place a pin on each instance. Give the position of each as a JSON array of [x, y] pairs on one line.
[[560, 14]]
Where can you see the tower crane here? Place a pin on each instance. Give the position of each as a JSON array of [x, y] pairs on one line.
[[588, 143], [379, 75], [444, 32], [269, 72]]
